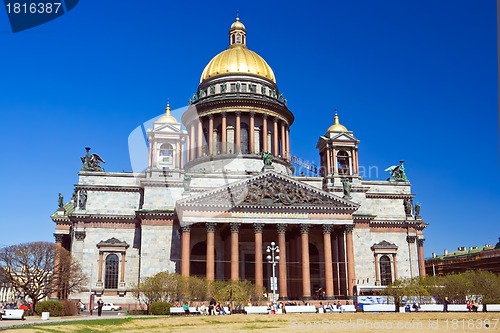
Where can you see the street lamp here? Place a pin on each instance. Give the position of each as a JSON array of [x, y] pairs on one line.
[[273, 259]]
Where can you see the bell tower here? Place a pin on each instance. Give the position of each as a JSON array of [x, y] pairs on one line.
[[338, 151], [166, 146]]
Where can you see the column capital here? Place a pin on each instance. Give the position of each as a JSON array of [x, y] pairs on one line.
[[210, 116], [411, 239], [349, 228], [211, 226], [238, 113], [252, 114], [304, 228], [80, 235], [327, 228], [420, 241], [223, 114], [281, 227], [275, 119], [59, 238], [258, 227], [234, 227], [264, 115], [186, 228]]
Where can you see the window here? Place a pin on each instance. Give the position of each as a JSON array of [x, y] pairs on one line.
[[343, 162], [166, 149], [385, 270], [111, 273], [252, 88], [233, 87], [243, 87]]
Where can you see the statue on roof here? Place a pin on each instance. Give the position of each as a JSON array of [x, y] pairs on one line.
[[397, 173], [91, 162], [187, 183], [417, 210], [60, 200], [267, 158], [347, 185]]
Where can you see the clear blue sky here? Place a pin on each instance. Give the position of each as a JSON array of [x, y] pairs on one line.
[[414, 80]]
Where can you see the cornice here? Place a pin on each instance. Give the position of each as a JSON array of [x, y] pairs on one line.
[[389, 196], [108, 188]]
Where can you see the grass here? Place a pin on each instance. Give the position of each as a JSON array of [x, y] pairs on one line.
[[291, 323]]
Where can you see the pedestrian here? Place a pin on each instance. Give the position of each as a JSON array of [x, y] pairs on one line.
[[100, 304], [445, 305]]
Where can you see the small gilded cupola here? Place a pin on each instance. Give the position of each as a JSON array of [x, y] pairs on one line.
[[237, 34]]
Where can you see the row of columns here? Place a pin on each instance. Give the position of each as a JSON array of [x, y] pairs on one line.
[[331, 160], [282, 269], [195, 142]]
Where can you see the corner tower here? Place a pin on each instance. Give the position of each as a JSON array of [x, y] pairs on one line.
[[338, 151], [237, 113]]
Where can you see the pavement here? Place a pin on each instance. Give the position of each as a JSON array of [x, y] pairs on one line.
[[30, 320]]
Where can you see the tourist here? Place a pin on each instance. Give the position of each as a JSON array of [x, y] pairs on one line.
[[340, 307], [100, 304]]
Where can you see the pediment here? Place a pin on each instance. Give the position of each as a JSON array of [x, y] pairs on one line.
[[384, 245], [269, 190], [112, 242], [342, 137], [167, 128]]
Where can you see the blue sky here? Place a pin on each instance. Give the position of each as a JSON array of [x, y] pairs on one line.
[[414, 80]]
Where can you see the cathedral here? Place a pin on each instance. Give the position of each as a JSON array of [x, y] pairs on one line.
[[221, 186]]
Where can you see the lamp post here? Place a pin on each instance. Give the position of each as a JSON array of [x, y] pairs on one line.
[[273, 259]]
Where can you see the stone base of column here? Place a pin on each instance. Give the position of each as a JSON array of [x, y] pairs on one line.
[[283, 298], [329, 298], [306, 298]]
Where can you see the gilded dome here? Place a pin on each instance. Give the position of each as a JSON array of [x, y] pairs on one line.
[[167, 117], [237, 59], [337, 126]]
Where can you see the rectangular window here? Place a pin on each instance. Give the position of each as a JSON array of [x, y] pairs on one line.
[[233, 87], [244, 87]]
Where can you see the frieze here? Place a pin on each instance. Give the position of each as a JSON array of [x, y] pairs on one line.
[[389, 196], [270, 190]]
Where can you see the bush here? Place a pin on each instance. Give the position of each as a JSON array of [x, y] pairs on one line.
[[55, 308], [70, 308], [159, 308]]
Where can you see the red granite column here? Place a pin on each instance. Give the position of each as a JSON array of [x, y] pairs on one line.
[[327, 248], [211, 250], [306, 275], [275, 137], [351, 275], [283, 288], [237, 135], [235, 261], [265, 148], [421, 259], [224, 133], [200, 137], [210, 134], [252, 133], [328, 166], [259, 275], [186, 249]]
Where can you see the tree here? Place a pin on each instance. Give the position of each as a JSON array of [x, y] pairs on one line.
[[161, 287], [459, 287], [407, 289], [41, 269]]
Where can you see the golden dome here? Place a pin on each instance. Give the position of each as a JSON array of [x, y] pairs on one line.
[[337, 127], [167, 117], [237, 59]]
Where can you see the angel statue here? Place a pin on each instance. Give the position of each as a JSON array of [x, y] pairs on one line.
[[397, 173], [267, 158], [91, 162]]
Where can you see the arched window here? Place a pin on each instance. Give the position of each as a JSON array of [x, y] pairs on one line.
[[385, 270], [244, 139], [166, 149], [343, 162], [111, 275]]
